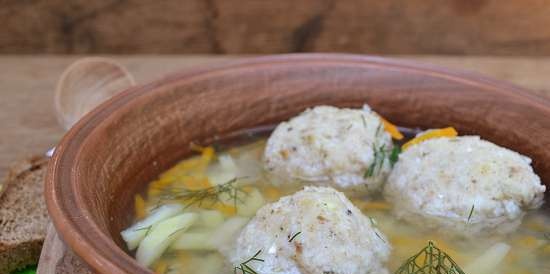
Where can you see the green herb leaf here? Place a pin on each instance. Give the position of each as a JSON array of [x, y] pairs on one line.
[[375, 167], [430, 260], [378, 129], [209, 196], [379, 237], [294, 236], [471, 213], [394, 156], [244, 268]]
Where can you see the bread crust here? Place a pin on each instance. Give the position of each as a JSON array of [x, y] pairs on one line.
[[23, 214]]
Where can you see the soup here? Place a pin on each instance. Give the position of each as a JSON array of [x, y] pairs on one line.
[[189, 219]]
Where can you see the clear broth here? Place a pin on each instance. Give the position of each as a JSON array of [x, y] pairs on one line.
[[530, 244]]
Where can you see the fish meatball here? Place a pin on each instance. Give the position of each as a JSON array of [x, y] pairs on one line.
[[463, 186], [316, 230], [331, 146]]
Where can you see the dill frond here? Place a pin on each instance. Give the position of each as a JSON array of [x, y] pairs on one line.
[[379, 237], [471, 213], [394, 155], [244, 268], [294, 236], [378, 129], [381, 154], [378, 161], [364, 121], [430, 260], [209, 196]]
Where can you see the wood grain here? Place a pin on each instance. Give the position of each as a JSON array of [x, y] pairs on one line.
[[515, 27], [97, 169]]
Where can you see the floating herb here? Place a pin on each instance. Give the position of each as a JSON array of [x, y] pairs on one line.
[[230, 190], [471, 213], [372, 221], [244, 268], [175, 231], [147, 229], [430, 260], [379, 237], [294, 236], [143, 228]]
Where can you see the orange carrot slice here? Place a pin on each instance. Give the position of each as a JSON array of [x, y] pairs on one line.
[[391, 129], [436, 133]]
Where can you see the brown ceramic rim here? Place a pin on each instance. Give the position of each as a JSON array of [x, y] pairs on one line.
[[74, 223]]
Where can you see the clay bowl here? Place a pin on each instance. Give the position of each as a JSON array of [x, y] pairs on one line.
[[116, 149]]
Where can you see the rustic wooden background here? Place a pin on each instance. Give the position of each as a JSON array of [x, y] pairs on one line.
[[489, 27]]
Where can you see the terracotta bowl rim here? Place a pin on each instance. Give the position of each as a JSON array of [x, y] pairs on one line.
[[64, 209]]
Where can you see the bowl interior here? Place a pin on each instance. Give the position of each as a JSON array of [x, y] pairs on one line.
[[114, 151]]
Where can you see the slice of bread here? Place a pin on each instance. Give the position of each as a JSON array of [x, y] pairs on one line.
[[23, 216]]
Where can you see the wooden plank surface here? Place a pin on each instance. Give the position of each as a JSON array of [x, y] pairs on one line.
[[27, 84], [516, 27]]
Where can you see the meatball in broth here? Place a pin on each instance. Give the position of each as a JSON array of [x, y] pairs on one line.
[[463, 186], [330, 146], [316, 230]]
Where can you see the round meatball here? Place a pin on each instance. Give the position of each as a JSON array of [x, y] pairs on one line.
[[343, 148], [316, 230], [463, 186]]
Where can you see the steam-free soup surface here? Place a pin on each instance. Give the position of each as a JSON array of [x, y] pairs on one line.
[[217, 192]]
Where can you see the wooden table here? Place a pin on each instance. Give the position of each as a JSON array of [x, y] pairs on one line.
[[27, 84]]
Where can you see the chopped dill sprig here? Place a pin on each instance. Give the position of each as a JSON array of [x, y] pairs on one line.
[[294, 236], [175, 231], [244, 268], [143, 228], [430, 260], [379, 237], [372, 221], [471, 213], [211, 195], [394, 155], [380, 153], [378, 161], [146, 228], [378, 130], [380, 156], [364, 121]]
